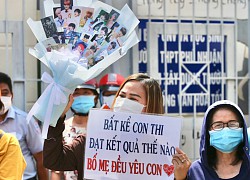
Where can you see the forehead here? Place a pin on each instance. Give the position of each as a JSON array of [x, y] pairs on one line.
[[83, 90], [134, 87], [224, 115]]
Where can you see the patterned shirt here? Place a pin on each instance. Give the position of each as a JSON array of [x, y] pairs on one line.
[[69, 134]]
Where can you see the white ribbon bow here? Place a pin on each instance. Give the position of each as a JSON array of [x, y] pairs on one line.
[[57, 97]]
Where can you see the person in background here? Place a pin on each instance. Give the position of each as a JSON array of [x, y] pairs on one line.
[[109, 84], [85, 97], [13, 120], [224, 148], [12, 163], [139, 93]]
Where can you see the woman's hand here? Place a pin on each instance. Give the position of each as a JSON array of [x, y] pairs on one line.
[[70, 102], [181, 164]]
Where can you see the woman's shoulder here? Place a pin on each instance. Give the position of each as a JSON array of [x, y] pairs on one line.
[[196, 166], [198, 170]]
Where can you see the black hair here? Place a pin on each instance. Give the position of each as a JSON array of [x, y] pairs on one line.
[[113, 44], [4, 78], [123, 30], [47, 19], [211, 151], [106, 16], [77, 10], [72, 25], [116, 24], [105, 29], [86, 36], [97, 26], [93, 47]]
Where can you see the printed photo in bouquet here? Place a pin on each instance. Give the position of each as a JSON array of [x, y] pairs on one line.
[[87, 14], [48, 43], [106, 50], [113, 16], [58, 19], [59, 38], [93, 26], [99, 38], [66, 7], [69, 32], [58, 47], [85, 38], [75, 18], [75, 38], [90, 51], [118, 33], [79, 49], [113, 29], [49, 26]]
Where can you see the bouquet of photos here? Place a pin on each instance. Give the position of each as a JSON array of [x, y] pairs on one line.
[[77, 40]]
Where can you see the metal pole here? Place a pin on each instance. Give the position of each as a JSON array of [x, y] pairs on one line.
[[248, 63]]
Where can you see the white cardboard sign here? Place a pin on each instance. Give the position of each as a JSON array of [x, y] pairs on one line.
[[123, 145]]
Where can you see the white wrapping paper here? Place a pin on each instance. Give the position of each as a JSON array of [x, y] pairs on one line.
[[66, 73]]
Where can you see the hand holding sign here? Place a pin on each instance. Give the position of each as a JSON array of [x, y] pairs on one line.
[[181, 164]]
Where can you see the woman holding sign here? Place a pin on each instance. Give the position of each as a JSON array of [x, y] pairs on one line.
[[139, 93], [224, 148]]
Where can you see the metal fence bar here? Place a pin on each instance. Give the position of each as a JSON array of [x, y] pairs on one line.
[[165, 52], [179, 53], [6, 37], [248, 25]]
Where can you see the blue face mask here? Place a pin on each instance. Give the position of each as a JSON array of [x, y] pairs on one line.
[[82, 104], [226, 140]]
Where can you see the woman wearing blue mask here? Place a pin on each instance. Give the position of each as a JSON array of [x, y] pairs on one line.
[[139, 93], [224, 149]]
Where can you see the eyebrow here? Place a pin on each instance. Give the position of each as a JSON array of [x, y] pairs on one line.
[[131, 94], [5, 91], [225, 123]]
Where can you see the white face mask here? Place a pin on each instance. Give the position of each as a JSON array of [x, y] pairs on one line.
[[127, 105], [108, 100], [6, 100]]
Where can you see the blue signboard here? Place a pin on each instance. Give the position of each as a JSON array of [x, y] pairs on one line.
[[184, 60]]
